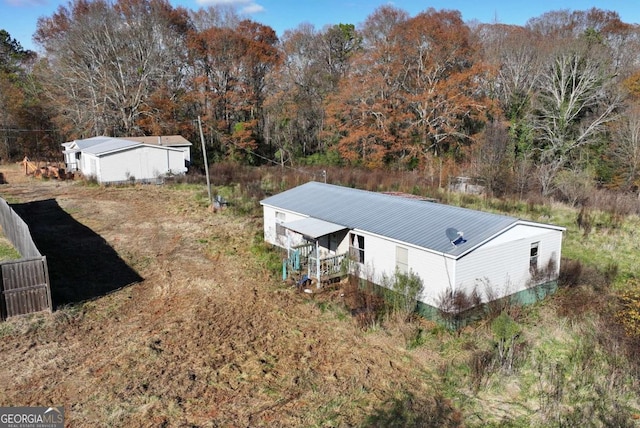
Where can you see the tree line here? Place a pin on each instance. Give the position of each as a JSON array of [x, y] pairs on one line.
[[550, 107]]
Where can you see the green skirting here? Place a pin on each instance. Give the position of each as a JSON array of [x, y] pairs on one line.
[[455, 321]]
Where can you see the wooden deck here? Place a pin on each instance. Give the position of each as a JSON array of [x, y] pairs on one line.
[[301, 261], [330, 267]]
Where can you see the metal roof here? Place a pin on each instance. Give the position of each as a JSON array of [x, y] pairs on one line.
[[100, 146], [90, 142], [313, 227], [163, 140], [420, 223], [108, 145]]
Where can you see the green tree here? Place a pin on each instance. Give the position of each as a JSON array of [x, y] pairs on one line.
[[12, 55], [22, 120]]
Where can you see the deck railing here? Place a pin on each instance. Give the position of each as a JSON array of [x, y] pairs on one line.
[[304, 249], [330, 267], [301, 259], [298, 258]]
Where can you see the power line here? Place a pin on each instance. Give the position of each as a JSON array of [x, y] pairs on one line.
[[274, 161], [27, 130]]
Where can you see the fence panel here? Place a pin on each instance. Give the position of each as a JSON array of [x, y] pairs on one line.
[[25, 287], [17, 231]]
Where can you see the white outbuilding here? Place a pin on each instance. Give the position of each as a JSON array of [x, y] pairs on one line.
[[453, 250], [173, 141], [116, 160]]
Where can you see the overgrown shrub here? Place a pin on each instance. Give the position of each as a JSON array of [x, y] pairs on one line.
[[405, 289], [453, 306], [585, 384], [267, 255], [506, 335], [544, 274], [363, 302], [611, 272], [570, 273], [573, 273], [482, 366], [574, 186], [495, 305], [584, 221], [621, 204]]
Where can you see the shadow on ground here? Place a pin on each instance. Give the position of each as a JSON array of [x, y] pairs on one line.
[[81, 263]]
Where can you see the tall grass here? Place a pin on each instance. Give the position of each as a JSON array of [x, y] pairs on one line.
[[570, 362]]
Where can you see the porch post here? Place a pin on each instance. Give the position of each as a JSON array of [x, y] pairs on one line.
[[317, 264]]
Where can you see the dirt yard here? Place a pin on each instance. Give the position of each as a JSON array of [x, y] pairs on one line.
[[165, 317]]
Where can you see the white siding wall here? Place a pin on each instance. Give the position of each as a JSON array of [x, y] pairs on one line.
[[435, 270], [503, 263], [89, 165], [269, 224], [270, 220], [141, 163], [70, 159], [379, 257], [186, 153], [120, 166]]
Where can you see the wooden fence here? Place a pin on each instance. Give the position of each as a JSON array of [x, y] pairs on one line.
[[25, 287], [24, 283]]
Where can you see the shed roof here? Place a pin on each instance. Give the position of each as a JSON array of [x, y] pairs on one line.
[[99, 146], [84, 143], [163, 140], [420, 223], [106, 145]]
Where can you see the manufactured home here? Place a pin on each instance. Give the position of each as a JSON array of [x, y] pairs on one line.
[[452, 249], [113, 160]]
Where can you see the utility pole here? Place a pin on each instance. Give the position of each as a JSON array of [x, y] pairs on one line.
[[206, 163]]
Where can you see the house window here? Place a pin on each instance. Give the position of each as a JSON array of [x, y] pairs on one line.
[[356, 249], [280, 229], [533, 257], [402, 260]]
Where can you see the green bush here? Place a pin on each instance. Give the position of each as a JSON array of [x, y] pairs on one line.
[[506, 334], [405, 289]]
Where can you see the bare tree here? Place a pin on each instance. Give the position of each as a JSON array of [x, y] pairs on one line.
[[106, 59], [218, 16], [574, 104], [513, 53], [627, 147], [295, 110]]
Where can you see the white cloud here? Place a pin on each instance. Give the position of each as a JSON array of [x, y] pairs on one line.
[[243, 6], [26, 3], [252, 8]]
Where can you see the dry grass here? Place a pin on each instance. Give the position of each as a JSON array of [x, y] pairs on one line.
[[207, 338]]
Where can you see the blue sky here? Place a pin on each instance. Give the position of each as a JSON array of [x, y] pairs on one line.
[[19, 17]]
